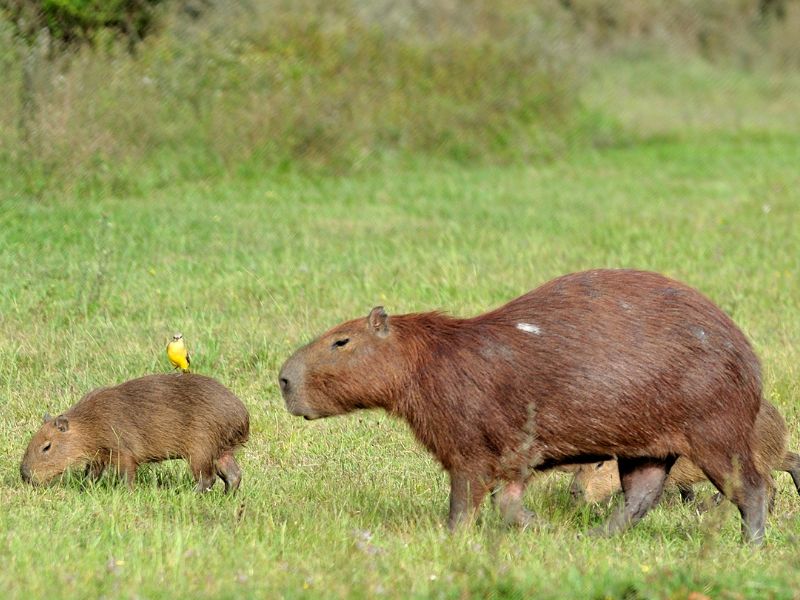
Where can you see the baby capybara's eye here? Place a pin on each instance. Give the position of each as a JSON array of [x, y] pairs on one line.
[[340, 343], [46, 447]]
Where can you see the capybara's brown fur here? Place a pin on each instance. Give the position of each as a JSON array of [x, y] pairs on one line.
[[596, 482], [587, 367], [149, 419]]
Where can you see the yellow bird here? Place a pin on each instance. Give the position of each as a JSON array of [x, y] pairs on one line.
[[178, 354]]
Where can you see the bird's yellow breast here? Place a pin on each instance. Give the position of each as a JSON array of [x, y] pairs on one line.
[[177, 354]]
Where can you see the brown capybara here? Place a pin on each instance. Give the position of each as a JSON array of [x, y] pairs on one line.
[[149, 419], [587, 367], [596, 482]]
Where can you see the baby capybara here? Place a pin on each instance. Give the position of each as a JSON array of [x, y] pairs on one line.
[[586, 367], [596, 482], [149, 419]]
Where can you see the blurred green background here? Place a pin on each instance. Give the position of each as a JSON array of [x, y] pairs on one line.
[[252, 173]]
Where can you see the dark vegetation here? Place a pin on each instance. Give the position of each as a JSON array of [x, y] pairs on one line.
[[125, 95]]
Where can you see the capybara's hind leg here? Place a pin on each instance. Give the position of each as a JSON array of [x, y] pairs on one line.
[[466, 495], [508, 500], [740, 482], [791, 464], [687, 493], [228, 470], [642, 482], [752, 506]]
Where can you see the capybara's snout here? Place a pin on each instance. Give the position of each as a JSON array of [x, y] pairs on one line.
[[290, 380], [25, 473]]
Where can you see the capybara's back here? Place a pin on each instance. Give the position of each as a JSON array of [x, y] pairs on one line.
[[584, 368], [149, 419]]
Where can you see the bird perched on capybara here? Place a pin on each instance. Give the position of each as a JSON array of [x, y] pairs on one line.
[[149, 419], [596, 482], [589, 366], [178, 354]]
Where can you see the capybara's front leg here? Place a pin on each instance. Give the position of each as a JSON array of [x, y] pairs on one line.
[[228, 470], [466, 495], [94, 470], [642, 484], [204, 475], [508, 500], [126, 468], [98, 464]]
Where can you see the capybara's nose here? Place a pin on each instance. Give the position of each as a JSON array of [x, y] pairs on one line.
[[25, 473], [575, 491], [284, 384]]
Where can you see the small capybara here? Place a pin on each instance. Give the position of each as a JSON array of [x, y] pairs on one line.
[[587, 367], [596, 482], [149, 419]]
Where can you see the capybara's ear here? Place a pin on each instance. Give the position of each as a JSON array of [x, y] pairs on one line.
[[46, 418], [61, 423], [378, 321]]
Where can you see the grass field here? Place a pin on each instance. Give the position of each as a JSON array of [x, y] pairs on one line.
[[249, 268]]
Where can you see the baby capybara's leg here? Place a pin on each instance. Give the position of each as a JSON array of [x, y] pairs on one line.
[[125, 466], [791, 464], [228, 470], [687, 493], [94, 470], [740, 482], [508, 500], [642, 482], [97, 465], [466, 495]]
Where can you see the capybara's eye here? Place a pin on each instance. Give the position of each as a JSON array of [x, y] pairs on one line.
[[598, 466], [46, 447], [340, 343]]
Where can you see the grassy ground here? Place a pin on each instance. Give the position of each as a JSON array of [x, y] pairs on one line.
[[249, 268]]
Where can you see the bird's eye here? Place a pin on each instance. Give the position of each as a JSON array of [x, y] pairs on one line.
[[340, 343], [46, 447]]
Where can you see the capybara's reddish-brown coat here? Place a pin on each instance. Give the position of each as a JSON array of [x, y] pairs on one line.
[[149, 419], [589, 366]]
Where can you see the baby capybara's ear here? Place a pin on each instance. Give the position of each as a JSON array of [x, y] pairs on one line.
[[62, 423], [378, 321]]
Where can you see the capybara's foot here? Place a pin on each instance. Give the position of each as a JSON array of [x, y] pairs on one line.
[[205, 482], [687, 494], [466, 495], [508, 500], [228, 470]]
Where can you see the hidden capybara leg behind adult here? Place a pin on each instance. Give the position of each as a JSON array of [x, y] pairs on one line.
[[642, 482], [791, 464]]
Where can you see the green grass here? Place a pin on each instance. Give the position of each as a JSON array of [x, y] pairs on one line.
[[249, 268]]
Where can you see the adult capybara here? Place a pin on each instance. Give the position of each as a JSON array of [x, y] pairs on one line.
[[149, 419], [589, 366], [596, 482]]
